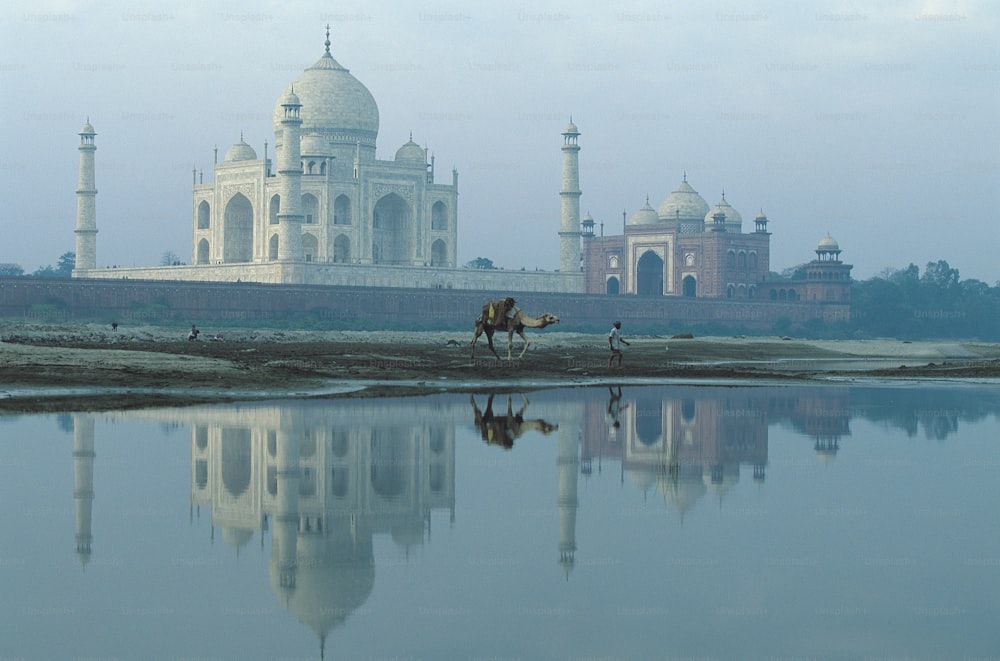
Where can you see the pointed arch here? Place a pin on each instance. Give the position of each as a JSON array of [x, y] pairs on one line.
[[310, 247], [649, 274], [237, 230], [204, 215], [689, 285], [273, 207], [202, 254], [613, 286], [439, 216], [310, 209], [391, 230], [342, 249], [272, 247], [439, 253], [236, 461], [342, 210]]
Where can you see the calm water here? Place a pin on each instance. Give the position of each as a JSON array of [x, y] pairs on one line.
[[667, 522]]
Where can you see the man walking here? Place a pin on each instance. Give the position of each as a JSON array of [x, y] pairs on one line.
[[615, 341]]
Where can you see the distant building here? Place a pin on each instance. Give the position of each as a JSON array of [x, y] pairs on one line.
[[687, 249]]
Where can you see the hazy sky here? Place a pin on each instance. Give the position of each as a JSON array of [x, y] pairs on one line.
[[879, 125]]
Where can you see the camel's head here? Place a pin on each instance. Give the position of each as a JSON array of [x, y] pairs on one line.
[[550, 319], [548, 428]]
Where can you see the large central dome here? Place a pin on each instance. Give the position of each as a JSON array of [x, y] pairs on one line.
[[684, 204], [335, 104]]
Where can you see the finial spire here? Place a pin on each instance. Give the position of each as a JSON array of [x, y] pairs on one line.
[[327, 42], [685, 176]]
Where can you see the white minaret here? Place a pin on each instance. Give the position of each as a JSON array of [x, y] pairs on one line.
[[569, 226], [86, 202], [290, 182]]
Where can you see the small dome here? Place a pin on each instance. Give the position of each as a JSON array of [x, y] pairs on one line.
[[291, 99], [315, 145], [412, 154], [732, 215], [828, 243], [241, 151], [645, 216], [571, 128], [683, 204], [761, 216], [87, 128]]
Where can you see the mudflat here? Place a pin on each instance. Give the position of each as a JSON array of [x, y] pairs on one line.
[[66, 366]]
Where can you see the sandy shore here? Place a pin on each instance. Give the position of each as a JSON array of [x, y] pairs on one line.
[[74, 366]]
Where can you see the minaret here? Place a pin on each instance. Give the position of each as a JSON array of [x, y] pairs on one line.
[[284, 541], [568, 463], [86, 202], [569, 226], [290, 182], [83, 482]]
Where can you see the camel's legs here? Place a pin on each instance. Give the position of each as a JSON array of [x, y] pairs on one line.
[[472, 345], [489, 338], [526, 343], [480, 329]]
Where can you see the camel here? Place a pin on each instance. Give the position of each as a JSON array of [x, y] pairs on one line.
[[504, 430], [495, 317]]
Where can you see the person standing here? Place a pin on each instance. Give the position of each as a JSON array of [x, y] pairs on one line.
[[615, 342]]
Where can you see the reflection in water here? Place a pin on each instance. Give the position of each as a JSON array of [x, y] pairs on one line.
[[324, 478], [83, 483], [682, 442], [503, 430], [326, 481]]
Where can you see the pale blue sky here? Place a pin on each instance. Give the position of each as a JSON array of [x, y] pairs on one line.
[[879, 126]]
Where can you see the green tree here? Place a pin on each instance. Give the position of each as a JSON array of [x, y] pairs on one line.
[[63, 268], [11, 269], [66, 264], [480, 263]]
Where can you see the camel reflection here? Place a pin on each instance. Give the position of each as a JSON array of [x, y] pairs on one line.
[[505, 429]]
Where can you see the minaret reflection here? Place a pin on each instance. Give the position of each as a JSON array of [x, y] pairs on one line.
[[567, 462], [324, 479], [83, 483]]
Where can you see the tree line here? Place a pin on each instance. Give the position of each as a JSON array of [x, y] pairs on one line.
[[937, 303]]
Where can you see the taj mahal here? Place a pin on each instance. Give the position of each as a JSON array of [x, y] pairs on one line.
[[327, 211]]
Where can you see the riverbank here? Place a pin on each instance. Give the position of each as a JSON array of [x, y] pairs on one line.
[[74, 366]]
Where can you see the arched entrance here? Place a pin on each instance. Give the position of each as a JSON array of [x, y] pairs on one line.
[[237, 226], [439, 253], [649, 275], [690, 286], [310, 247], [391, 231], [614, 287], [202, 257], [341, 249]]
